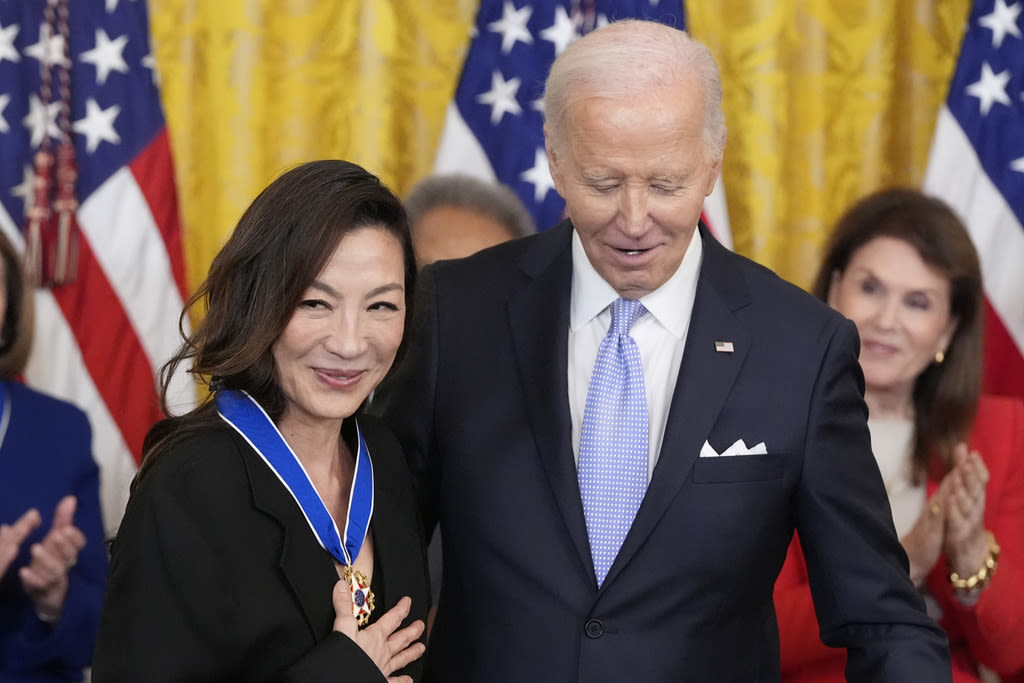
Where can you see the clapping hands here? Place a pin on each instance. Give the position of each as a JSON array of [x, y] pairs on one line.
[[953, 521], [924, 542], [13, 535], [965, 543], [45, 578]]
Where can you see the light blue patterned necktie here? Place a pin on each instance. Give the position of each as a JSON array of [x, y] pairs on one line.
[[613, 448]]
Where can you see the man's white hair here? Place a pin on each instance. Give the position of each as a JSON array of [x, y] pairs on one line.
[[626, 59]]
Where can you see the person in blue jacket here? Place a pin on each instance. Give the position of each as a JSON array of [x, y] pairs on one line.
[[52, 559]]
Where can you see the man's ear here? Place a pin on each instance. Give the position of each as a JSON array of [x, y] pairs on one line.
[[553, 159], [714, 170]]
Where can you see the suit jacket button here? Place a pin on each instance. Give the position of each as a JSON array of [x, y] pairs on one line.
[[594, 628]]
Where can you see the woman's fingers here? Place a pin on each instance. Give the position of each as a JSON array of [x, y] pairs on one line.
[[13, 535], [344, 620], [977, 475], [53, 557], [388, 645], [403, 647], [64, 513], [393, 618], [46, 568], [65, 543], [401, 639]]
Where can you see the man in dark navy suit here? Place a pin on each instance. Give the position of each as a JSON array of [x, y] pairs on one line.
[[620, 423]]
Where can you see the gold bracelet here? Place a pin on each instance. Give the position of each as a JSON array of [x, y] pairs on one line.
[[981, 578]]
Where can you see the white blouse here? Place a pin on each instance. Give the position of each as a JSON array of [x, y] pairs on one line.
[[892, 443]]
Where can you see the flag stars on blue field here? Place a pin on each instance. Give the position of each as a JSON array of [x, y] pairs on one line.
[[112, 72], [107, 56], [990, 88], [512, 26], [985, 96], [98, 125], [149, 62], [24, 189], [539, 175], [112, 5], [562, 32], [501, 97], [1002, 21], [49, 49], [7, 49], [41, 120], [997, 85]]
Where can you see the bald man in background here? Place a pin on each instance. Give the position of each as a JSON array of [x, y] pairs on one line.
[[455, 215]]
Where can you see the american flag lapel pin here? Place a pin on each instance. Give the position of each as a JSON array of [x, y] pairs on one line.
[[724, 347]]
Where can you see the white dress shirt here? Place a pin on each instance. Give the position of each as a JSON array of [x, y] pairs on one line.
[[660, 334]]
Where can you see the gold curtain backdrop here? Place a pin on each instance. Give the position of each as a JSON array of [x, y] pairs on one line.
[[825, 100]]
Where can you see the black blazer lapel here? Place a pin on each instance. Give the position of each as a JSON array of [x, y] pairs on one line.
[[539, 322], [308, 568], [706, 377]]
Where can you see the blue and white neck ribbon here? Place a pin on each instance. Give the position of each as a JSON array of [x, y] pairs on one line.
[[241, 411]]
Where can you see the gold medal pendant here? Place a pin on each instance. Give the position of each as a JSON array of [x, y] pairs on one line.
[[362, 596]]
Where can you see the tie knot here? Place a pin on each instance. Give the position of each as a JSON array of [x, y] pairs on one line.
[[624, 313]]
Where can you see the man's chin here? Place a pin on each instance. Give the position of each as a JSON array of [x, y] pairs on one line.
[[633, 287]]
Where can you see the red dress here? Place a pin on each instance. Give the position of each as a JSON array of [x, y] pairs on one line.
[[992, 631]]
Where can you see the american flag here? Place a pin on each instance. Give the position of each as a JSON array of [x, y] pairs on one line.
[[101, 338], [977, 165], [494, 126]]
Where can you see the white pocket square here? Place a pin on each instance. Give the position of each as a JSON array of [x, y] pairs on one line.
[[738, 448]]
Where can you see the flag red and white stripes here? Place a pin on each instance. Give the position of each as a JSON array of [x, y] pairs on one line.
[[100, 339], [977, 166]]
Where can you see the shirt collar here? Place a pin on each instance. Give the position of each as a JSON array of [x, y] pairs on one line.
[[591, 294]]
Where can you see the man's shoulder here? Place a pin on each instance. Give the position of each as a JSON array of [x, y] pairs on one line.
[[759, 291]]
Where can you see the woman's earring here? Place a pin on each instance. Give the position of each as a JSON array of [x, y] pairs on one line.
[[939, 357]]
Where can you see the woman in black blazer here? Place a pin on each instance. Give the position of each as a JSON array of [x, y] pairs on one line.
[[271, 533]]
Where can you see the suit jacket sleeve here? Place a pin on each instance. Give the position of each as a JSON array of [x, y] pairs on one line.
[[799, 640], [170, 613], [68, 645], [858, 572]]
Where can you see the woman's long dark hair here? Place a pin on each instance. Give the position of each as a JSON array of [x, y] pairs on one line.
[[281, 244], [16, 327], [945, 394]]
